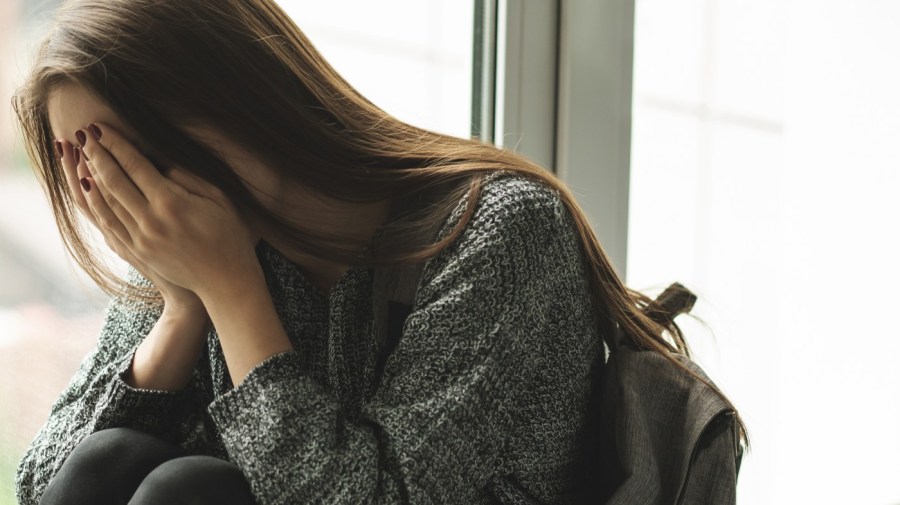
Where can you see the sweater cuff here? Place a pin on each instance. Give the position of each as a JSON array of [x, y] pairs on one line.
[[150, 410], [261, 385], [130, 393]]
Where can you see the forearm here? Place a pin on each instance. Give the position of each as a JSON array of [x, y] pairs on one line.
[[246, 321], [166, 358]]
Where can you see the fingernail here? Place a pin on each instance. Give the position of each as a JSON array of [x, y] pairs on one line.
[[59, 148], [95, 130], [77, 156], [85, 184], [82, 138]]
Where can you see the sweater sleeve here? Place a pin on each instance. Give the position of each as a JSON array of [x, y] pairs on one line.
[[435, 430], [97, 398]]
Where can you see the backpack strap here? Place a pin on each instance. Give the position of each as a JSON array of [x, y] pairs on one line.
[[671, 303], [674, 301]]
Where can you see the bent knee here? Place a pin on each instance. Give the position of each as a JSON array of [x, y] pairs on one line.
[[118, 453], [105, 447], [107, 464], [194, 479]]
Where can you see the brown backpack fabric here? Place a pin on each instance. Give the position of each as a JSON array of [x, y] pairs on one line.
[[666, 438]]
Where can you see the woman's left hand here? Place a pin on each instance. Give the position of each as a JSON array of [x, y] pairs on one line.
[[184, 228]]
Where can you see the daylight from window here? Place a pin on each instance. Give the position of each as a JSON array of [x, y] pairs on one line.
[[765, 175]]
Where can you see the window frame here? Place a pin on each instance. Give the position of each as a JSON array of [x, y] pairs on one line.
[[560, 80]]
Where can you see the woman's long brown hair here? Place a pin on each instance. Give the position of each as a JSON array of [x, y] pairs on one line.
[[245, 67]]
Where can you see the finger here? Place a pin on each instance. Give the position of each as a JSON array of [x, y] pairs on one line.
[[107, 221], [70, 170], [125, 253], [118, 247], [80, 163], [144, 172], [117, 208], [119, 167]]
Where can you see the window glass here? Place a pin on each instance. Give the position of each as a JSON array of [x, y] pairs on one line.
[[765, 177], [412, 58]]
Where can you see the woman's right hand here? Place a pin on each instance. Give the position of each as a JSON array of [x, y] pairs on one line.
[[178, 301], [167, 356]]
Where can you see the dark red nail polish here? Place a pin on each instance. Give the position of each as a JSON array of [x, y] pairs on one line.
[[85, 184], [59, 148], [82, 138], [95, 130], [77, 157]]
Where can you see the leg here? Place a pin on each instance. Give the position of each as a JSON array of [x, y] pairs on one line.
[[194, 480], [107, 467]]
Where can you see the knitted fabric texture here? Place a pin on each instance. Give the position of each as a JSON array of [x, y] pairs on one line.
[[484, 399]]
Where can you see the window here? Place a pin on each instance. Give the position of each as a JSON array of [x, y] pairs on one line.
[[412, 58], [765, 176]]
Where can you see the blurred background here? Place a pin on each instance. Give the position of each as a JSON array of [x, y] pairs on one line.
[[749, 149]]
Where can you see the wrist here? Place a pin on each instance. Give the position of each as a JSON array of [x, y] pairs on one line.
[[233, 287], [187, 316], [247, 324], [166, 358]]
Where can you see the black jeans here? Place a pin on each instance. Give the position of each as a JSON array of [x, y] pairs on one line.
[[123, 466]]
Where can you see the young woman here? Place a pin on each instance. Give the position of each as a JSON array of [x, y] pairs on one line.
[[257, 197]]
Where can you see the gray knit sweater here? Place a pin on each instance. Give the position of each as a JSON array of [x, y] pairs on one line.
[[483, 400]]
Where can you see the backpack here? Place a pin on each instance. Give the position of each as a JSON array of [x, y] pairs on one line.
[[665, 437], [661, 437]]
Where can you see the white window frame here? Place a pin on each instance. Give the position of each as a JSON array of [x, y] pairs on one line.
[[560, 76]]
